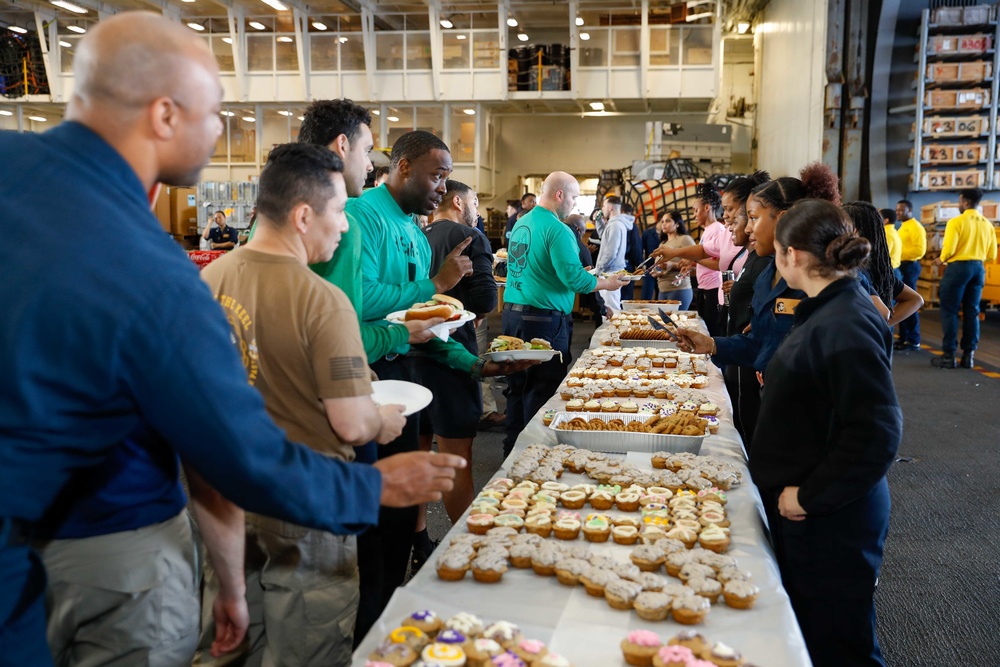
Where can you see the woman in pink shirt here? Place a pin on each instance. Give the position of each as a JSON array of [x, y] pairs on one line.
[[716, 246]]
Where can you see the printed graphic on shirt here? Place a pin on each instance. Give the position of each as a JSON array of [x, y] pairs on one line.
[[347, 368], [517, 253], [785, 306], [242, 334]]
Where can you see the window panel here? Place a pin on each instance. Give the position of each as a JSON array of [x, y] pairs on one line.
[[286, 55], [323, 52], [698, 45], [352, 53], [463, 134], [486, 49], [626, 47], [455, 51], [594, 52], [418, 50], [223, 54], [260, 53], [389, 51], [663, 46]]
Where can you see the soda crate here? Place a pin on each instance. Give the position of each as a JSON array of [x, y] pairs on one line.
[[968, 98], [946, 127], [959, 45], [972, 72]]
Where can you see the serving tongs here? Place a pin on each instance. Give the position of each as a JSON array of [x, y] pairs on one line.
[[662, 327], [637, 272]]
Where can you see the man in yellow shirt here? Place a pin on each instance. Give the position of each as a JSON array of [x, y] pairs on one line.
[[892, 240], [913, 238], [969, 240]]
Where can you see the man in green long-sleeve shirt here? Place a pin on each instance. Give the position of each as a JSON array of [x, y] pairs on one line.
[[543, 276], [395, 263]]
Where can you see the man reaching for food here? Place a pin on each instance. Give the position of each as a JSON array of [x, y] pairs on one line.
[[543, 275]]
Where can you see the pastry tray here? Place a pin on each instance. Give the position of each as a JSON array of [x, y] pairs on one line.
[[639, 305], [622, 441], [658, 344]]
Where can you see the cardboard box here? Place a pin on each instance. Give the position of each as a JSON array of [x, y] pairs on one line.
[[928, 290], [953, 153], [932, 179], [953, 45]]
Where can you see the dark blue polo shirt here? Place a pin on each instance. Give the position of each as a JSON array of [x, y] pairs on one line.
[[227, 235]]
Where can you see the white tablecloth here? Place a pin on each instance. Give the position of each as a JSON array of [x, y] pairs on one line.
[[585, 629]]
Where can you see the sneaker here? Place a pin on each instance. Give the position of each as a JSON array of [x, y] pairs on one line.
[[493, 421], [905, 346], [944, 361]]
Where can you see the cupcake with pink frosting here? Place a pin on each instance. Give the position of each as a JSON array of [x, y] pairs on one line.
[[674, 656], [639, 647]]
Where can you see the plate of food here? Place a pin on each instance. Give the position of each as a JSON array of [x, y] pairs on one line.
[[623, 274], [440, 305], [511, 348], [413, 397]]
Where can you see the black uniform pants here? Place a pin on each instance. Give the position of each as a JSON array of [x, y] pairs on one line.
[[707, 304], [829, 567], [744, 393]]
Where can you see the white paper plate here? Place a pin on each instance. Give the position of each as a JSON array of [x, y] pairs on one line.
[[400, 316], [393, 392], [519, 355]]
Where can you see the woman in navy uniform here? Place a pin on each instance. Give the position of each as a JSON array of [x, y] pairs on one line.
[[829, 429]]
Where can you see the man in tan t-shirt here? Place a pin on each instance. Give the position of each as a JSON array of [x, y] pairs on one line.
[[301, 345]]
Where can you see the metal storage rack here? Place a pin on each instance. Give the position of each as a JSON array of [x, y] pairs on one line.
[[955, 133]]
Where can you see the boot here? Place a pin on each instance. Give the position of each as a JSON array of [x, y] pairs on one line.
[[968, 358], [944, 361]]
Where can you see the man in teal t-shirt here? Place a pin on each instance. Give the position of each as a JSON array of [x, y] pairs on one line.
[[543, 276]]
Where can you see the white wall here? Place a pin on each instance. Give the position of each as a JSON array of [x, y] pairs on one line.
[[791, 39]]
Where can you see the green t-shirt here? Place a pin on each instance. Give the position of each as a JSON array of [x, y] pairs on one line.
[[543, 263], [395, 263], [378, 337]]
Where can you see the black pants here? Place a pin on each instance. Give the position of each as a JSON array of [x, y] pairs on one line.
[[829, 566], [527, 391], [384, 551], [744, 393], [707, 304]]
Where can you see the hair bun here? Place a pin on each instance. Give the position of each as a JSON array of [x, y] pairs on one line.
[[820, 182], [847, 252], [759, 177]]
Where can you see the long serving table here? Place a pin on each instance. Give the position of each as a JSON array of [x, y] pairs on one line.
[[585, 629]]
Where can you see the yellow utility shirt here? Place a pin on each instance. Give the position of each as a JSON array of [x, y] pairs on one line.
[[895, 245], [970, 236], [914, 240]]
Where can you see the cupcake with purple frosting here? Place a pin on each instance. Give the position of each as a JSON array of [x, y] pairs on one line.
[[424, 620]]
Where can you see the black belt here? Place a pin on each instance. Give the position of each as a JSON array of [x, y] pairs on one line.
[[531, 310]]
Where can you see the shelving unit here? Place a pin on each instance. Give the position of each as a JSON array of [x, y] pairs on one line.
[[955, 129], [236, 199]]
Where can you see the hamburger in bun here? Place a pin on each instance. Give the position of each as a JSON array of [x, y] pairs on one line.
[[440, 305], [539, 344], [506, 344]]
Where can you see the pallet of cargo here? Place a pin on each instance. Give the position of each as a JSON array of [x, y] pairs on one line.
[[973, 72], [931, 179]]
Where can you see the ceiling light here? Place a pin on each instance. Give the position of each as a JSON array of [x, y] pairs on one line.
[[196, 26], [65, 45], [250, 119], [18, 29], [694, 17], [274, 4], [469, 112], [257, 25], [512, 22], [77, 29], [743, 27], [446, 24], [597, 106], [521, 36], [227, 113], [187, 0], [585, 36], [302, 117], [38, 119], [342, 40], [460, 36], [4, 112], [69, 6], [284, 39], [393, 119], [319, 25], [579, 20], [227, 40], [285, 113], [376, 112]]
